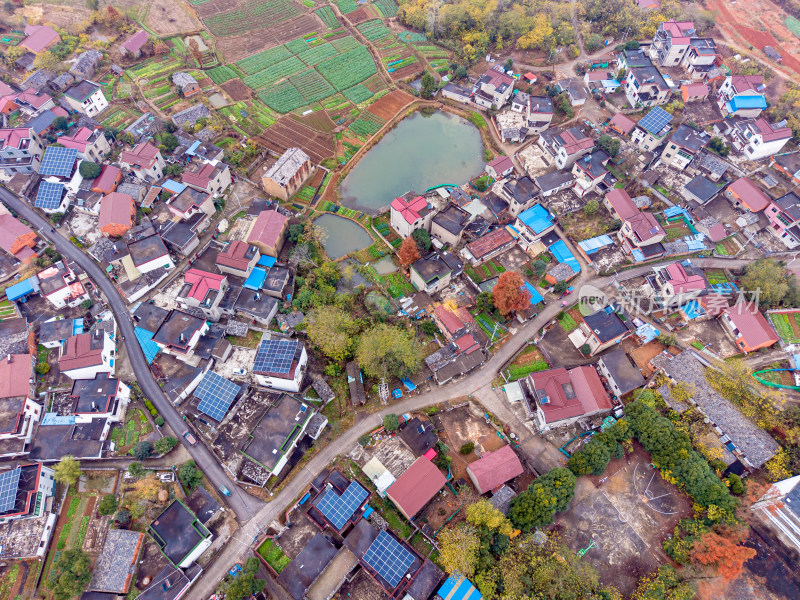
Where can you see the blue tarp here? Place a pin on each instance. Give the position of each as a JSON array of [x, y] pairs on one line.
[[256, 279], [693, 309], [638, 255], [796, 361], [149, 347], [563, 255], [409, 385], [19, 290], [536, 297], [457, 587], [397, 393], [537, 218], [594, 244], [746, 102], [173, 186], [266, 261], [725, 288], [647, 333], [674, 211]]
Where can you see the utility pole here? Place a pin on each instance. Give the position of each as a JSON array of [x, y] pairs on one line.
[[383, 391]]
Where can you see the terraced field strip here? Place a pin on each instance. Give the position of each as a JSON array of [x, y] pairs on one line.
[[388, 8], [374, 30], [251, 15], [222, 74], [328, 17], [263, 60]]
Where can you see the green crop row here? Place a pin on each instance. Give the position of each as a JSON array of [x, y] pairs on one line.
[[358, 94], [348, 69], [263, 60], [283, 97], [388, 8], [374, 30], [347, 6], [312, 86], [312, 56], [328, 17], [252, 14], [221, 74], [346, 44], [264, 78]]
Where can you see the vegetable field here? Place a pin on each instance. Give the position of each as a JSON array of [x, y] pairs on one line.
[[328, 17], [348, 69], [347, 6], [388, 8], [263, 60], [358, 94], [251, 15], [374, 30], [221, 74]]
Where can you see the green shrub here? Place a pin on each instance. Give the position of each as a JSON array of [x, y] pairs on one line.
[[467, 448]]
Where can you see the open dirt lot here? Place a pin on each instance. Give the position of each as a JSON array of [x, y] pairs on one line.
[[461, 426], [388, 106], [237, 90], [237, 47], [626, 515], [287, 133], [167, 17], [85, 227]]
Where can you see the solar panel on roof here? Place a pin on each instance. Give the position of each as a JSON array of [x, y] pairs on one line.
[[216, 395], [275, 356], [9, 484], [49, 195], [58, 161], [654, 121], [388, 558], [340, 509]]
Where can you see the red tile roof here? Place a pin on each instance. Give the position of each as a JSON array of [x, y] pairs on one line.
[[495, 468], [572, 144], [416, 487], [490, 242], [467, 344], [78, 353], [501, 164], [570, 393], [267, 228], [752, 325], [695, 89], [749, 194], [645, 226], [202, 282], [410, 210], [116, 209], [744, 83], [448, 319], [143, 154], [11, 230], [234, 256], [134, 43], [622, 123], [13, 138], [15, 375], [78, 140], [5, 89], [107, 181], [39, 37], [770, 133], [682, 282], [34, 98], [622, 203], [200, 178]]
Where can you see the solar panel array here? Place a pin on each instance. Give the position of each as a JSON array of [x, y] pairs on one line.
[[388, 558], [49, 195], [654, 121], [216, 395], [275, 356], [9, 484], [58, 161], [339, 509]]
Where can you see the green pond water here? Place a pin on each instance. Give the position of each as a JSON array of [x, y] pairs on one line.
[[424, 150], [341, 236]]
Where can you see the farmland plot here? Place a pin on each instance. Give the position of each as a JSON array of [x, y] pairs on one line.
[[222, 74], [312, 86], [348, 69], [248, 15], [263, 60], [328, 17], [267, 77], [287, 133]]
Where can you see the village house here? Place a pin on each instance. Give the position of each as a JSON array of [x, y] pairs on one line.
[[645, 86], [117, 214], [416, 487], [756, 138], [87, 98], [21, 151], [700, 190], [701, 58], [494, 89], [622, 124], [434, 272], [38, 38], [694, 92], [31, 488], [742, 96], [651, 130], [108, 180], [787, 164], [16, 238], [500, 167], [562, 397], [684, 143], [213, 178], [288, 174], [601, 330], [280, 364], [132, 47], [86, 65], [591, 174], [520, 193], [203, 291], [487, 246], [539, 110], [622, 376], [32, 102], [59, 284], [238, 259], [87, 354], [449, 223], [745, 194], [90, 144], [565, 147], [784, 219], [180, 535], [749, 329], [191, 202], [532, 225], [186, 84], [638, 228], [268, 232], [146, 255], [17, 402], [179, 334], [576, 92], [457, 93], [493, 469], [144, 160], [410, 212], [675, 284], [554, 182], [671, 42], [99, 397], [600, 80]]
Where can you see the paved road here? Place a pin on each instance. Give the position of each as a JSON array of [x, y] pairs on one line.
[[243, 504]]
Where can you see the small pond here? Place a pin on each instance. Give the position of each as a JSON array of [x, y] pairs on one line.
[[385, 266], [424, 150], [341, 236]]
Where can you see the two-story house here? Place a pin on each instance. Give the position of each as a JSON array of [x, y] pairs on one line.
[[745, 194], [701, 57], [288, 174], [651, 130], [117, 214], [410, 212], [17, 403], [87, 354], [91, 145], [87, 98], [784, 219], [16, 238], [21, 151], [601, 330], [639, 229], [520, 193], [31, 488], [742, 96], [565, 147], [539, 111], [682, 146], [591, 174], [191, 202], [179, 333], [238, 259], [645, 86], [671, 42], [434, 272], [756, 138], [630, 59], [787, 163], [59, 284], [749, 329], [203, 291], [100, 397], [562, 397], [144, 161], [212, 177], [675, 284], [494, 89], [533, 224], [449, 223], [280, 364]]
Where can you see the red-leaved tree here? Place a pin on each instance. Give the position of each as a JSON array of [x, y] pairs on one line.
[[408, 251], [723, 551], [510, 294]]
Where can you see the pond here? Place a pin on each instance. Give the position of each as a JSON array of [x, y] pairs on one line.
[[424, 150], [341, 236], [385, 266]]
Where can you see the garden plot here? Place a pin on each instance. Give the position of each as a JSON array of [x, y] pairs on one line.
[[248, 15], [288, 133], [237, 47], [787, 324]]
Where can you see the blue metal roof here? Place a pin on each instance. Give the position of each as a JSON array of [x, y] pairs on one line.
[[746, 102], [149, 347], [256, 279], [173, 186], [563, 255], [19, 290], [536, 297], [266, 261], [458, 587], [536, 218], [592, 245], [190, 150]]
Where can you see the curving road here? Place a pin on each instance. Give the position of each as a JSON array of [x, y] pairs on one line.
[[243, 504]]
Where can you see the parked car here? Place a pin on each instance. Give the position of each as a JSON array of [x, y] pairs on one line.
[[224, 490], [190, 438]]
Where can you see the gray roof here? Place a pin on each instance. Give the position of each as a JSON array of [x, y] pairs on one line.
[[39, 79], [625, 375], [757, 445], [117, 562], [556, 179], [287, 165], [86, 63], [191, 114], [183, 79], [701, 188], [81, 91], [689, 137], [502, 498]]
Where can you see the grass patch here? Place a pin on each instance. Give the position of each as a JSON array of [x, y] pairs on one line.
[[274, 556], [251, 340], [567, 323]]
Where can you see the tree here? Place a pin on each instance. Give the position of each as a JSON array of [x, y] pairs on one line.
[[536, 506], [296, 232], [165, 444], [564, 105], [458, 549], [107, 505], [591, 208], [591, 459], [423, 239], [429, 328], [61, 123], [483, 514], [388, 349], [365, 439], [467, 447], [89, 170], [189, 475], [719, 146], [333, 331], [485, 302], [461, 72], [173, 170], [540, 34], [245, 584], [47, 60], [92, 4], [42, 368], [391, 422], [560, 287], [769, 277], [539, 267], [510, 294], [509, 64], [408, 252], [68, 470], [123, 517], [136, 469], [168, 140], [87, 304], [594, 42], [665, 584], [735, 484], [608, 144], [70, 574], [428, 83], [723, 551], [142, 450]]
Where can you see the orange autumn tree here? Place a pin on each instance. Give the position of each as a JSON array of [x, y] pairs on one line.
[[408, 251], [510, 294], [723, 551]]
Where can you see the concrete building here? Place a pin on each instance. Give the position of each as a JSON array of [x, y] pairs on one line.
[[565, 147], [671, 42], [683, 145], [645, 86], [288, 174], [238, 259], [87, 98], [562, 397], [212, 177], [494, 89], [742, 96], [87, 354], [33, 485], [144, 160], [203, 291], [410, 212], [117, 214], [435, 271], [21, 151], [280, 364], [268, 232], [91, 145], [180, 535]]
